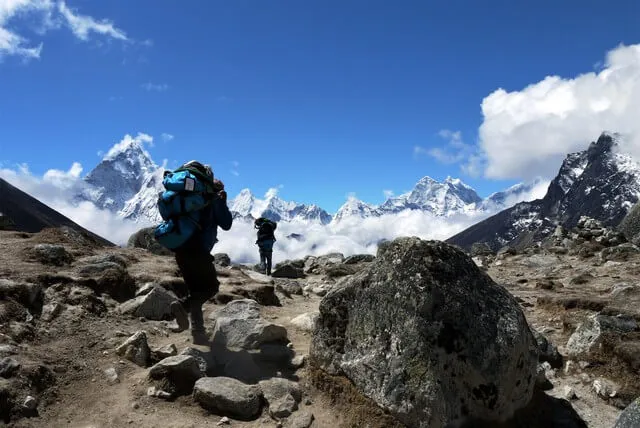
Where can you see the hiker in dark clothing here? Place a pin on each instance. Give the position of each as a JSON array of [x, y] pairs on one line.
[[266, 239], [196, 262]]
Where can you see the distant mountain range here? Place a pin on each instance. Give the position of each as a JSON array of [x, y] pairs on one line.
[[127, 181], [599, 182]]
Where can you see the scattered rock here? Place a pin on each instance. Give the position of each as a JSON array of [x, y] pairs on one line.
[[619, 253], [144, 238], [30, 403], [568, 393], [112, 375], [306, 322], [206, 360], [50, 311], [605, 388], [590, 334], [547, 351], [420, 317], [359, 258], [8, 367], [287, 270], [153, 391], [227, 396], [282, 396], [108, 274], [176, 375], [630, 417], [239, 325], [166, 351], [224, 421], [155, 305], [301, 419], [289, 287], [222, 259], [136, 349], [264, 294], [51, 254]]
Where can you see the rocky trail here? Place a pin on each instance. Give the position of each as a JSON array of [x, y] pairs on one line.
[[86, 338]]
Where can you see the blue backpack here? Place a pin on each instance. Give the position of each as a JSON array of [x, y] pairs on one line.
[[187, 192]]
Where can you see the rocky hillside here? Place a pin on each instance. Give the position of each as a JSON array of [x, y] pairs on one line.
[[599, 182], [86, 337], [21, 212]]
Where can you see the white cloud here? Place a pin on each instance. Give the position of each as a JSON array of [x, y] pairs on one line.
[[49, 15], [528, 132], [167, 137], [128, 140], [388, 193], [82, 25], [56, 189], [351, 236], [155, 87]]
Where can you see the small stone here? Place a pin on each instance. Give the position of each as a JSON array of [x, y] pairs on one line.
[[224, 421], [112, 375], [135, 406], [568, 393], [298, 361], [30, 403], [584, 364], [569, 367]]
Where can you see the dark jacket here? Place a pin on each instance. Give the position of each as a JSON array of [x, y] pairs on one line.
[[214, 215], [265, 232]]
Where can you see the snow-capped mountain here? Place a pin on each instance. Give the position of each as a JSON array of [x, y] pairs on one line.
[[599, 182], [128, 182], [504, 199], [246, 204], [355, 208], [441, 199], [119, 176]]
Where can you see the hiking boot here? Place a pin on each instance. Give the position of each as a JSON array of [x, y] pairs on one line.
[[199, 337], [180, 314]]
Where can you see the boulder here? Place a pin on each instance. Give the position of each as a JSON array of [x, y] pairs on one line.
[[306, 321], [222, 259], [108, 274], [264, 294], [340, 270], [227, 396], [177, 374], [239, 325], [282, 396], [590, 334], [8, 367], [144, 238], [547, 351], [52, 254], [359, 258], [428, 336], [301, 419], [287, 270], [630, 417], [481, 249], [619, 253], [136, 349], [206, 360], [289, 287], [155, 305]]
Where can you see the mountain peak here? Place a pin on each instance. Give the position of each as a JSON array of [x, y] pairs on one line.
[[130, 146]]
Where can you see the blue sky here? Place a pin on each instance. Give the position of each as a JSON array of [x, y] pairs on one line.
[[323, 98]]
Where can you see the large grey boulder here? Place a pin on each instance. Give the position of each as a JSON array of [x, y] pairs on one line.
[[287, 269], [630, 225], [630, 417], [155, 305], [222, 259], [227, 396], [239, 325], [177, 374], [428, 336], [52, 254], [591, 334], [144, 238]]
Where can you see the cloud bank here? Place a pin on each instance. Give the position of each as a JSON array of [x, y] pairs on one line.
[[526, 133]]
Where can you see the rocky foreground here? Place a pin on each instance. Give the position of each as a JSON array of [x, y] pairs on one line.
[[423, 335]]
